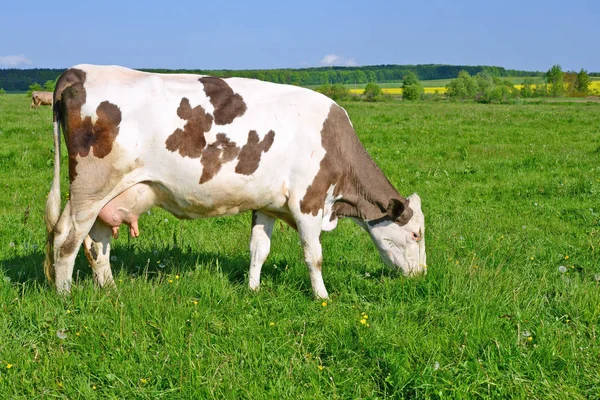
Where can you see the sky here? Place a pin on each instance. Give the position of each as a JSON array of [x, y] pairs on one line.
[[179, 34]]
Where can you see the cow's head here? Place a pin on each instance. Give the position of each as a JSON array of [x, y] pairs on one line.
[[400, 236]]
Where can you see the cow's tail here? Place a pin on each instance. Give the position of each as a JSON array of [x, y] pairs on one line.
[[53, 204]]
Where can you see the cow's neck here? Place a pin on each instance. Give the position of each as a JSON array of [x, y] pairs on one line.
[[364, 189]]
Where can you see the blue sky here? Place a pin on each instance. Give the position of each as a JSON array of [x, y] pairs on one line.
[[530, 35]]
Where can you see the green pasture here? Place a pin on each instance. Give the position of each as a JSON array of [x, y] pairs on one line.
[[509, 309]]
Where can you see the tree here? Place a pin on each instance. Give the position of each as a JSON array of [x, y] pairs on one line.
[[34, 87], [527, 88], [485, 84], [411, 87], [582, 84], [50, 85], [2, 91], [410, 78], [334, 92], [373, 92], [555, 79], [463, 87]]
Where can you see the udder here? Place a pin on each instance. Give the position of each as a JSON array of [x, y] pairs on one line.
[[127, 207]]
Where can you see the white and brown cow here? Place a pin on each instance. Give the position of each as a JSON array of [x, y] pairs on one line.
[[202, 146], [40, 99]]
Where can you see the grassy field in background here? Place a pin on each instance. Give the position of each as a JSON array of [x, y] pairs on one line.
[[509, 308]]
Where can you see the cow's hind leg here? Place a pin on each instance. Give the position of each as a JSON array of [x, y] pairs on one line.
[[260, 245], [97, 250], [72, 227]]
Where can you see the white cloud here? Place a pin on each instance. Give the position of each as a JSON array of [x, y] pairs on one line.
[[334, 59], [14, 61]]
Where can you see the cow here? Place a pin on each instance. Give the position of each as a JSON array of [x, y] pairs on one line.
[[40, 98], [201, 146]]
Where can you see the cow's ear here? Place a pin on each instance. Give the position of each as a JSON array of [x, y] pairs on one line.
[[399, 211]]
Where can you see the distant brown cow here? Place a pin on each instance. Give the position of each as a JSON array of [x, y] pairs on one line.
[[41, 99]]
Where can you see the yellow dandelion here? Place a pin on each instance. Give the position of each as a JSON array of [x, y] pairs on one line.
[[365, 316], [324, 304], [77, 334], [68, 311], [566, 257], [170, 280], [195, 303], [368, 326], [176, 276], [94, 387], [529, 339], [9, 366], [363, 321], [143, 380], [60, 384], [271, 323], [320, 367]]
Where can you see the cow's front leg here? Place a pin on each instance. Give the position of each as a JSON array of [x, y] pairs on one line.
[[309, 229], [97, 250], [260, 245]]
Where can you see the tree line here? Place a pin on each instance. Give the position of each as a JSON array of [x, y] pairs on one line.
[[20, 79], [486, 88]]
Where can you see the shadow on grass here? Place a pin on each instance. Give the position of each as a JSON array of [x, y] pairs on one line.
[[131, 261]]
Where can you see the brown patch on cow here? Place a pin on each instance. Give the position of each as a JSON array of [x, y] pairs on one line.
[[190, 141], [82, 135], [365, 190], [330, 168], [68, 78], [93, 251], [215, 155], [69, 245], [228, 105], [319, 264], [249, 157]]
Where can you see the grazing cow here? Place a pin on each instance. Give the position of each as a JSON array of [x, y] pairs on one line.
[[40, 98], [201, 146]]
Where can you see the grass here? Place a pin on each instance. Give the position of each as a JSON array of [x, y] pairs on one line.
[[510, 194]]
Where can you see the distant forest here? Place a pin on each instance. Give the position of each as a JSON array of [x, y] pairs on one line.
[[19, 79]]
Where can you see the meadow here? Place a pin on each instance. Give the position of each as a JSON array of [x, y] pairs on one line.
[[509, 308]]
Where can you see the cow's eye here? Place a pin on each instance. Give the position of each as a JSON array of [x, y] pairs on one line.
[[416, 236]]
